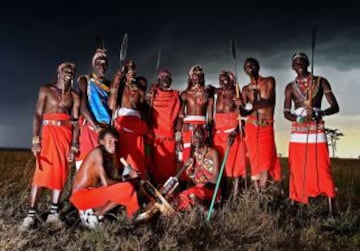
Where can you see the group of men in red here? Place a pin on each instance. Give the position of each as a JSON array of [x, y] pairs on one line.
[[158, 131]]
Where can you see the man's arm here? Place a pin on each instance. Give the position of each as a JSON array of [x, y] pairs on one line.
[[179, 123], [40, 106], [84, 111], [267, 97], [114, 90], [214, 156], [247, 107], [75, 126], [330, 97], [287, 103], [99, 163], [210, 112]]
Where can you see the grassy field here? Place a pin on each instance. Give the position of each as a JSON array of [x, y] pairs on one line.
[[239, 225]]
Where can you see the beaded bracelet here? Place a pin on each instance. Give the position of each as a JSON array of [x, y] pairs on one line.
[[113, 90], [178, 136], [248, 106], [300, 119], [35, 140], [75, 147]]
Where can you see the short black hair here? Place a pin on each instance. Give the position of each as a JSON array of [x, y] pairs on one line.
[[109, 130], [300, 55], [252, 60], [141, 83]]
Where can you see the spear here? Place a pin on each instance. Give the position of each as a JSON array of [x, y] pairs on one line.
[[155, 80], [122, 56], [157, 64], [312, 65], [234, 56], [218, 183], [309, 105], [123, 49], [233, 53]]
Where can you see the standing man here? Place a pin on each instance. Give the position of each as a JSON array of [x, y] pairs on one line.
[[97, 169], [309, 162], [196, 109], [55, 141], [203, 173], [226, 131], [165, 106], [127, 118], [94, 93], [259, 99], [124, 78]]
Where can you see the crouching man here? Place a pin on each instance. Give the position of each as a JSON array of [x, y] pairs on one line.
[[203, 172], [95, 191]]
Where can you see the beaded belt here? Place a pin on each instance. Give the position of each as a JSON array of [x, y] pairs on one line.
[[307, 128], [191, 127], [260, 122], [56, 122]]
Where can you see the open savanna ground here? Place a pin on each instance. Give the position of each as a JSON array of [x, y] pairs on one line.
[[248, 223]]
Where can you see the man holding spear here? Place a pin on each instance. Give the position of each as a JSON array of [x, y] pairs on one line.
[[259, 99], [226, 129], [309, 162]]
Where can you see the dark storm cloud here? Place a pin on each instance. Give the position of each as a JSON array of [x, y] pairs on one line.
[[37, 36]]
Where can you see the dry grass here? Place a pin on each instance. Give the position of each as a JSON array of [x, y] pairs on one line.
[[249, 223]]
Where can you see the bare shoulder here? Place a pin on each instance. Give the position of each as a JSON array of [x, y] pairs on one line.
[[82, 81], [288, 86], [44, 89], [184, 95], [269, 80], [210, 90], [95, 155], [75, 93], [212, 152], [324, 83]]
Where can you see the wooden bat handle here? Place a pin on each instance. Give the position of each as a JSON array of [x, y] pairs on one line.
[[123, 161]]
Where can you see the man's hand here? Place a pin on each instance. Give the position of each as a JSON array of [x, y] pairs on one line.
[[316, 115], [238, 102], [36, 145], [230, 139], [73, 151], [179, 141], [117, 78], [71, 156], [190, 170], [98, 127], [36, 148]]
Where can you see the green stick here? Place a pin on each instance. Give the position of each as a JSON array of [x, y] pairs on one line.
[[218, 183]]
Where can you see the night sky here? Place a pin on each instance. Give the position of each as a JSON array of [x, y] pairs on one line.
[[37, 36]]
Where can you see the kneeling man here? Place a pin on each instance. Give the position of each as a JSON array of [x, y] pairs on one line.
[[94, 186]]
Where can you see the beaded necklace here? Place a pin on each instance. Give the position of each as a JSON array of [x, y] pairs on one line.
[[302, 87], [200, 155]]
